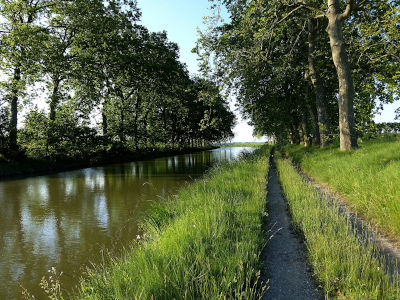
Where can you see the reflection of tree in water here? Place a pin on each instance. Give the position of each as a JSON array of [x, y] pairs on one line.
[[65, 220]]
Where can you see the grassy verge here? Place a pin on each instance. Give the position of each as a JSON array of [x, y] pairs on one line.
[[203, 243], [368, 178], [343, 265], [241, 145]]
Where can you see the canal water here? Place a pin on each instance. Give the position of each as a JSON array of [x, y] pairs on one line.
[[71, 220]]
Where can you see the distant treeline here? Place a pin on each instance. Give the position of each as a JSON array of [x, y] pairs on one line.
[[383, 128], [83, 76]]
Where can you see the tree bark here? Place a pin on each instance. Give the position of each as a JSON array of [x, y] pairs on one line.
[[323, 124], [348, 136], [135, 129], [145, 122], [12, 142], [104, 122], [306, 130], [54, 99], [312, 113]]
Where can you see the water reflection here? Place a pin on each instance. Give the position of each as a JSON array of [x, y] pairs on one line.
[[65, 220]]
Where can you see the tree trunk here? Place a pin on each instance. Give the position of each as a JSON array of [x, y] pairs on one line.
[[312, 112], [52, 116], [323, 124], [348, 136], [145, 122], [305, 130], [54, 99], [135, 129], [12, 142], [290, 136], [104, 122], [121, 131]]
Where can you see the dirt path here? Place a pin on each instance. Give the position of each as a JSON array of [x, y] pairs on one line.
[[284, 256]]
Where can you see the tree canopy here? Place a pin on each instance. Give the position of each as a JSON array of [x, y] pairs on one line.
[[306, 71], [102, 80]]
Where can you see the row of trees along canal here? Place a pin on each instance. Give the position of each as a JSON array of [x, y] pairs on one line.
[[90, 61], [278, 57]]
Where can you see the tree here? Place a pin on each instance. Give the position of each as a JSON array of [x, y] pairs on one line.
[[20, 50], [318, 84], [265, 37], [94, 61], [336, 17]]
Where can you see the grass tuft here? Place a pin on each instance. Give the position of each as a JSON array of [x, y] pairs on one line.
[[205, 242]]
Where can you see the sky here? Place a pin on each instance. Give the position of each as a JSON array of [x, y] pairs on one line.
[[181, 19]]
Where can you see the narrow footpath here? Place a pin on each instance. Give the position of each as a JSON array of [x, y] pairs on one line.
[[284, 257]]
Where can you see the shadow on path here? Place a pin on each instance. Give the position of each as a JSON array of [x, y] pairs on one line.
[[285, 263]]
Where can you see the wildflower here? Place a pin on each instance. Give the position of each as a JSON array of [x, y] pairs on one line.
[[138, 237]]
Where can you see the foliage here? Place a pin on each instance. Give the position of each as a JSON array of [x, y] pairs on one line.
[[33, 136], [109, 83], [204, 242], [261, 52]]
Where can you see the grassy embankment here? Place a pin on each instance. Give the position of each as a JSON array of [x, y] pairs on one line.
[[368, 178], [241, 145], [30, 166], [343, 265], [204, 242]]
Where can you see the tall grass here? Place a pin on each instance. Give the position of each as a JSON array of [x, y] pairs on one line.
[[368, 177], [203, 243], [345, 266]]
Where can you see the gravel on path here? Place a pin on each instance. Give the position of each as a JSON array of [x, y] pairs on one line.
[[285, 263]]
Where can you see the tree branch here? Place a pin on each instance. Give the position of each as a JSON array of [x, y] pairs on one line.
[[349, 8], [360, 5], [312, 8], [302, 4], [289, 14]]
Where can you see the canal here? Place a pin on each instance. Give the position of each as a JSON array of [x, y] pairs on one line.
[[74, 219]]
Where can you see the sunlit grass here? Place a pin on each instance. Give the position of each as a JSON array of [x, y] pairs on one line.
[[203, 243], [343, 265], [241, 145], [368, 178]]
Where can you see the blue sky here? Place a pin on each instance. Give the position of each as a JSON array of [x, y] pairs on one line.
[[181, 18]]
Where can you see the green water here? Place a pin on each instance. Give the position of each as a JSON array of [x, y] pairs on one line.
[[73, 219]]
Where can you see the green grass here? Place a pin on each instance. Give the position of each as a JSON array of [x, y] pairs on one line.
[[241, 145], [343, 265], [368, 178], [204, 242]]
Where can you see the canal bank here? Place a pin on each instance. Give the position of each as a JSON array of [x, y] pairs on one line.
[[29, 167], [203, 243], [71, 219]]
